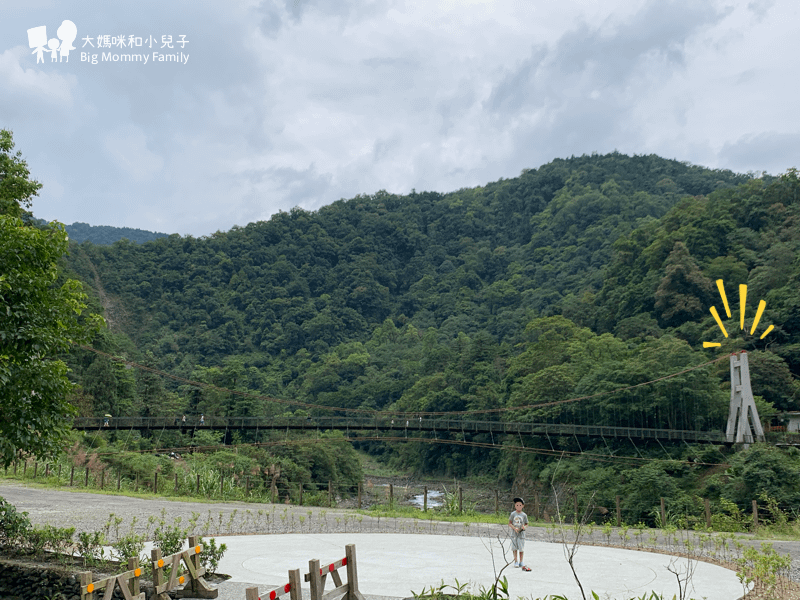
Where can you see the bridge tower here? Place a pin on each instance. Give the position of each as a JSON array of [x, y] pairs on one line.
[[744, 426]]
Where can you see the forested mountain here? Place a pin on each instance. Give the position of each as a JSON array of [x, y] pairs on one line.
[[584, 275], [105, 234]]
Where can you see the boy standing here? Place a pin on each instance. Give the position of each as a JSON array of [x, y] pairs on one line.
[[518, 521]]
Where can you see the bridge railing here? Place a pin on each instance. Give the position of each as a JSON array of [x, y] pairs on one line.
[[397, 424]]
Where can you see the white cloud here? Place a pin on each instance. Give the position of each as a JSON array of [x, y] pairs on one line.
[[287, 102], [127, 147], [29, 92]]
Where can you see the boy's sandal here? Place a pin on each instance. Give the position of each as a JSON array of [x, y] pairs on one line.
[[526, 568]]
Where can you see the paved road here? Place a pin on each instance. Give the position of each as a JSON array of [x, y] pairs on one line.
[[395, 556]]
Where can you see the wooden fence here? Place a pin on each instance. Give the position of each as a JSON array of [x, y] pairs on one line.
[[128, 582], [238, 486], [197, 586], [317, 577]]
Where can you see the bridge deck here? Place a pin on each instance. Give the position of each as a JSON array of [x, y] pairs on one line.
[[383, 423]]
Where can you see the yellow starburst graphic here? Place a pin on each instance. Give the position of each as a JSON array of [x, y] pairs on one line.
[[742, 308]]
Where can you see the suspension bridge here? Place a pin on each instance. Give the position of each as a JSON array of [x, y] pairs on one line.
[[566, 418], [397, 425]]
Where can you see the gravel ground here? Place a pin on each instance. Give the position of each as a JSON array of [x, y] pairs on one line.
[[90, 512]]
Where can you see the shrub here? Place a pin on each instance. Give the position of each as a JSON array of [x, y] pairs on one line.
[[90, 547], [211, 555], [731, 519], [14, 526]]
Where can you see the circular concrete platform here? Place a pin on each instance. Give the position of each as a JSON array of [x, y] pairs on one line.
[[395, 565]]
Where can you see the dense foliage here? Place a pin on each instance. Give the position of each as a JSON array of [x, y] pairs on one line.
[[105, 234], [39, 318], [583, 276]]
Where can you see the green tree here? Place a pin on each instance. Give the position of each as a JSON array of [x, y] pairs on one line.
[[17, 189], [764, 468], [39, 318], [684, 293]]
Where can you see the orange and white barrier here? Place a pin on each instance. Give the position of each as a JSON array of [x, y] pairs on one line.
[[192, 578], [317, 576], [128, 582]]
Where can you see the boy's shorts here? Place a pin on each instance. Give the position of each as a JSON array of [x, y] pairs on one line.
[[518, 543]]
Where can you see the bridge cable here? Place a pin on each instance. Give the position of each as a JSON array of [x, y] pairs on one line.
[[373, 411], [635, 447], [692, 450], [664, 449], [163, 427], [602, 437], [130, 431], [530, 449]]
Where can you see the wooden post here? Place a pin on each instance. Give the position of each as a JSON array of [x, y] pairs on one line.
[[133, 564], [497, 502], [35, 468], [330, 493], [221, 482], [315, 579], [137, 482], [359, 494], [176, 482], [755, 514], [708, 512], [295, 592], [663, 514], [25, 468], [71, 474], [251, 593], [102, 478], [47, 470], [247, 486], [536, 505], [352, 574], [301, 493], [15, 467], [460, 500], [619, 513], [197, 489], [59, 472], [86, 579], [155, 482], [194, 541], [158, 574], [86, 478], [119, 479], [198, 587], [425, 499], [391, 495]]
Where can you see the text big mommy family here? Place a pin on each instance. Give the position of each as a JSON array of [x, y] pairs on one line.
[[59, 48], [178, 57]]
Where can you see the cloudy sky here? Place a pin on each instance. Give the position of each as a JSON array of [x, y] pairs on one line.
[[285, 103]]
